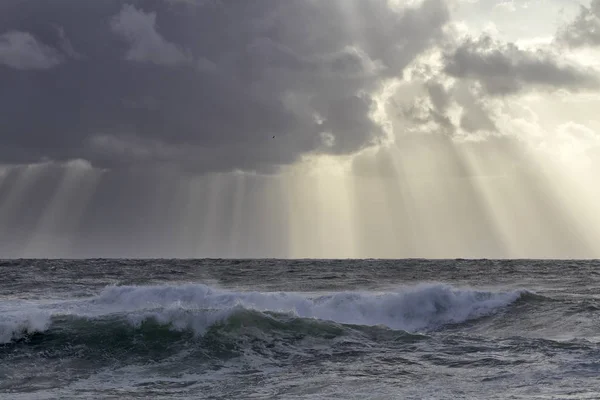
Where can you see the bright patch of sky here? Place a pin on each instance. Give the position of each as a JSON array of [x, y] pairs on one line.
[[525, 22]]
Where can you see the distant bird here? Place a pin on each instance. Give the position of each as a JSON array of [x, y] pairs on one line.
[[273, 137]]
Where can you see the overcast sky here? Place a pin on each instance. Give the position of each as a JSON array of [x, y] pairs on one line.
[[299, 128]]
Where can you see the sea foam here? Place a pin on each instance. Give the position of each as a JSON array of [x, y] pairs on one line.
[[197, 307]]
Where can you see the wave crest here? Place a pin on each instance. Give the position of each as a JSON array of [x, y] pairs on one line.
[[415, 308], [197, 307], [14, 326]]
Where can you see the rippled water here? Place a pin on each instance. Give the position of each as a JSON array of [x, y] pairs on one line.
[[300, 329]]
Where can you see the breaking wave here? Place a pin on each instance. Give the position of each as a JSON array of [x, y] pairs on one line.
[[196, 308]]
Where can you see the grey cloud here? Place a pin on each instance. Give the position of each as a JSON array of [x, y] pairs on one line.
[[421, 115], [147, 45], [475, 115], [504, 68], [426, 109], [440, 99], [474, 120], [585, 29], [21, 50], [206, 85], [438, 95], [65, 44]]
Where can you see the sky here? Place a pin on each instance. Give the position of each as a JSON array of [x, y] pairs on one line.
[[300, 128]]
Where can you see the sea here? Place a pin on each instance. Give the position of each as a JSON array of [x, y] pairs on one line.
[[299, 329]]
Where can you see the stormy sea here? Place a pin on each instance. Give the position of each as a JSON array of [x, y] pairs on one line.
[[306, 329]]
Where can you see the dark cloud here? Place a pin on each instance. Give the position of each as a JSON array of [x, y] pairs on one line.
[[584, 30], [22, 51], [138, 28], [203, 85], [504, 68]]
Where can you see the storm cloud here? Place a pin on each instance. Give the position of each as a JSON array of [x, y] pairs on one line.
[[205, 86]]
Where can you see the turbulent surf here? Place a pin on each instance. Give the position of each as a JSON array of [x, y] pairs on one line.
[[199, 333]]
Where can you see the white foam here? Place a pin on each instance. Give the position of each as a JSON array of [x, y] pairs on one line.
[[410, 308], [14, 325], [198, 306]]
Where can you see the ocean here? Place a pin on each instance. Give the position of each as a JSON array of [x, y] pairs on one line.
[[305, 329]]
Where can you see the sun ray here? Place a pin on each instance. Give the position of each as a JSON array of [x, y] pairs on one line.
[[57, 226], [236, 235], [321, 221], [208, 245], [24, 179]]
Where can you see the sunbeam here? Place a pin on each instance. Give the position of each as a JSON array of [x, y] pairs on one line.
[[404, 129], [59, 222]]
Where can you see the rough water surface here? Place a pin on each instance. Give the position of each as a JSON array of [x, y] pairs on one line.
[[347, 329]]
